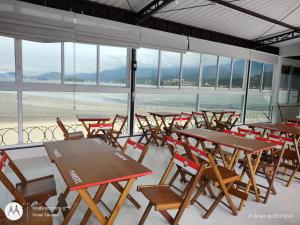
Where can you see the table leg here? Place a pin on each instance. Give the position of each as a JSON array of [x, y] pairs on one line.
[[72, 210], [223, 158], [120, 202], [92, 205], [96, 199], [86, 127], [252, 182]]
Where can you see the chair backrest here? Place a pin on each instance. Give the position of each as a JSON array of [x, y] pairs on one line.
[[200, 119], [279, 144], [5, 161], [233, 120], [182, 121], [142, 121], [62, 127], [249, 133], [135, 150], [234, 133], [175, 145], [119, 123], [291, 124], [197, 155], [288, 141]]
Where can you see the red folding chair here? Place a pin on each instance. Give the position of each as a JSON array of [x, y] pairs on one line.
[[148, 129]]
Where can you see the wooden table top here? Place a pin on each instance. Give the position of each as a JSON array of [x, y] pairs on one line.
[[86, 163], [229, 140], [293, 120], [92, 117], [164, 114], [276, 127]]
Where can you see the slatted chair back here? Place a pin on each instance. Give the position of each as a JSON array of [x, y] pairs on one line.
[[6, 162], [249, 133], [119, 123], [135, 150], [235, 117], [182, 121], [200, 119], [142, 121], [175, 145], [234, 133]]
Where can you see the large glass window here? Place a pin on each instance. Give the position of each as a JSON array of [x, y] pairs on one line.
[[80, 63], [8, 118], [147, 67], [209, 70], [169, 69], [113, 66], [256, 75], [191, 69], [284, 84], [7, 59], [41, 62], [268, 76], [40, 110], [224, 72], [238, 69], [258, 107], [294, 95]]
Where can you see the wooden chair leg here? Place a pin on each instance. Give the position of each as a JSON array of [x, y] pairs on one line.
[[146, 213], [200, 191], [119, 187], [292, 176]]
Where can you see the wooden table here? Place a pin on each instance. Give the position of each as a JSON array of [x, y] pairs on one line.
[[87, 163], [160, 120], [94, 118], [291, 131], [293, 120], [217, 116], [248, 146]]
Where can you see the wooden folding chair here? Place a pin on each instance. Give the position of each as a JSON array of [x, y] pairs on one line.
[[31, 216], [163, 198], [181, 122], [230, 122], [69, 135], [221, 177], [148, 129], [200, 119], [37, 190], [111, 132]]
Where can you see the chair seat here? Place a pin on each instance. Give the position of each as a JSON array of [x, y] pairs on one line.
[[76, 135], [38, 189], [227, 175], [161, 196], [30, 219]]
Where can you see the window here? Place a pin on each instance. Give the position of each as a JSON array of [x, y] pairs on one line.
[[191, 69], [147, 67], [256, 75], [238, 69], [169, 69], [258, 107], [294, 95], [284, 85], [41, 62], [113, 66], [80, 63], [224, 72], [40, 110], [268, 77], [7, 59], [209, 70], [8, 118]]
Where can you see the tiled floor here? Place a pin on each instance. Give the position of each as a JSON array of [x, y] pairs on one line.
[[285, 204]]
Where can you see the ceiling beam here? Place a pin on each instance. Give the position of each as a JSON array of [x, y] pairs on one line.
[[279, 38], [254, 14], [151, 8]]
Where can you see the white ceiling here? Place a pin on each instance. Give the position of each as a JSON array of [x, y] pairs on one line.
[[222, 19]]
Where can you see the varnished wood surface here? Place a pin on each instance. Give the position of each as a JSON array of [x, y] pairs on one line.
[[276, 127], [91, 162], [293, 120], [245, 144], [163, 114], [216, 111], [92, 117]]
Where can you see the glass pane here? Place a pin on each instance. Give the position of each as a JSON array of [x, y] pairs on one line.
[[224, 72], [295, 80], [283, 97], [258, 108], [268, 76], [40, 110], [191, 69], [294, 97], [41, 62], [169, 69], [218, 102], [209, 70], [113, 66], [238, 73], [255, 75], [147, 67], [8, 118], [7, 59], [85, 69], [145, 103], [284, 79]]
